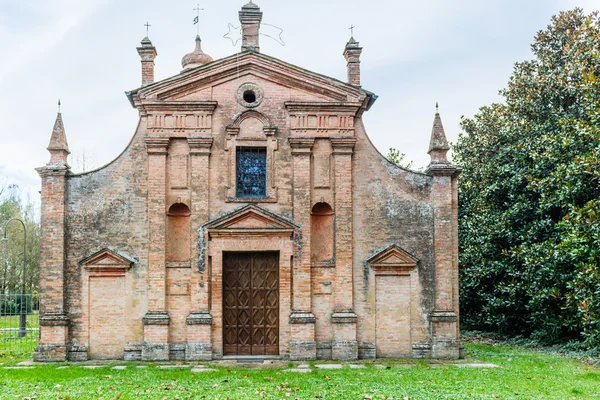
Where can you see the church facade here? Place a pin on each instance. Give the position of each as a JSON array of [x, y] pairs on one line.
[[250, 215]]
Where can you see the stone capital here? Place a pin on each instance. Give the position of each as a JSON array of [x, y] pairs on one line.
[[301, 317], [156, 318], [343, 144], [199, 318], [157, 145], [302, 146], [55, 320], [200, 145], [346, 317]]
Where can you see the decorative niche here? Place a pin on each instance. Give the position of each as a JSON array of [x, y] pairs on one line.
[[321, 232], [178, 233]]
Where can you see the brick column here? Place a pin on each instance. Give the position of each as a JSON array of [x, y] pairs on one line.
[[54, 321], [444, 318], [156, 320], [199, 321], [302, 321], [344, 346]]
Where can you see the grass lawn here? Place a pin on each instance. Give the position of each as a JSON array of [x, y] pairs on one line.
[[522, 374]]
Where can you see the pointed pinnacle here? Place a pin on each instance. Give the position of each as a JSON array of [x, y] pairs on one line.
[[58, 140], [438, 140]]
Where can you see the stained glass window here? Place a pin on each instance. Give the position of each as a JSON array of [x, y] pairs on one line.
[[251, 166]]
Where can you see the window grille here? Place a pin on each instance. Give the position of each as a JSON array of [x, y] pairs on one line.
[[251, 168]]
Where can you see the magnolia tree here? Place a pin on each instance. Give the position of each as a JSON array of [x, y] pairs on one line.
[[529, 204]]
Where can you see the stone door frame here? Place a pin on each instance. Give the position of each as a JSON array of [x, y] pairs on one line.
[[250, 229], [106, 263]]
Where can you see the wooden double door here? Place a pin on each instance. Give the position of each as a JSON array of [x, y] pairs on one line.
[[251, 303]]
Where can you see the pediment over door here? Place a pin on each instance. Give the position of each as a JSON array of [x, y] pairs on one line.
[[251, 220], [107, 260], [393, 258]]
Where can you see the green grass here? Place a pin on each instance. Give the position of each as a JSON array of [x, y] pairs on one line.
[[523, 374], [13, 321]]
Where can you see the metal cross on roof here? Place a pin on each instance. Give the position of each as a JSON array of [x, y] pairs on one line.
[[147, 25], [352, 30]]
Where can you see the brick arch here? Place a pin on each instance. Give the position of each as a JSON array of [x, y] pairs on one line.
[[241, 117]]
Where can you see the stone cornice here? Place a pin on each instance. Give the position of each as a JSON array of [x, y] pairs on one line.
[[325, 107], [443, 169], [53, 170], [178, 106]]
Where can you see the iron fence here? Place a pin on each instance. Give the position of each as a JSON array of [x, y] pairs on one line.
[[19, 323]]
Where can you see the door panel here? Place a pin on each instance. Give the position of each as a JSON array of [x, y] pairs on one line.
[[251, 303]]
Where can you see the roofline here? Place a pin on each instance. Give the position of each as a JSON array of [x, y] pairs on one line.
[[371, 96]]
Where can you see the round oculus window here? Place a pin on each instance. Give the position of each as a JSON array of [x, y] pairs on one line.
[[250, 95]]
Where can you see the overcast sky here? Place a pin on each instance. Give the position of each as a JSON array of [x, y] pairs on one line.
[[459, 53]]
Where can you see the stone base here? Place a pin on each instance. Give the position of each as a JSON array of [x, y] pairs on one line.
[[133, 352], [324, 351], [50, 353], [303, 350], [421, 350], [198, 352], [155, 352], [77, 352], [177, 352], [344, 346], [344, 350], [367, 351], [445, 349]]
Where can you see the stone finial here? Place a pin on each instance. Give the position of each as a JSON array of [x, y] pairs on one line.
[[58, 147], [438, 145], [352, 54], [250, 18], [147, 53], [197, 57]]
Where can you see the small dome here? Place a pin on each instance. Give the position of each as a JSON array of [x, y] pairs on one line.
[[196, 58], [250, 5]]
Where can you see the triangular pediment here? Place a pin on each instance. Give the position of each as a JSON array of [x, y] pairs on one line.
[[393, 256], [248, 63], [250, 219], [107, 258]]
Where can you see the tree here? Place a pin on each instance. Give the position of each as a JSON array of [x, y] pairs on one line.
[[11, 251], [529, 203], [398, 158]]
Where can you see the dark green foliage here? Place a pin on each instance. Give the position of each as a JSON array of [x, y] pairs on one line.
[[529, 206]]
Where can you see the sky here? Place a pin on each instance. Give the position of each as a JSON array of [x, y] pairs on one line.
[[415, 53]]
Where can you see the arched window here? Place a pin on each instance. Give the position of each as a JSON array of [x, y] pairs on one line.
[[178, 233], [321, 232]]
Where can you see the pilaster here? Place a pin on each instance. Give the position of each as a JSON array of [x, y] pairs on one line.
[[344, 346], [54, 321], [444, 318], [302, 321], [156, 321], [199, 346]]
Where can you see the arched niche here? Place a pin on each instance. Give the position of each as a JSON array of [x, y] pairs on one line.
[[321, 232], [178, 233]]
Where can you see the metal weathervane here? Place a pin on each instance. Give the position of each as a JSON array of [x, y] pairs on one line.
[[197, 18]]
